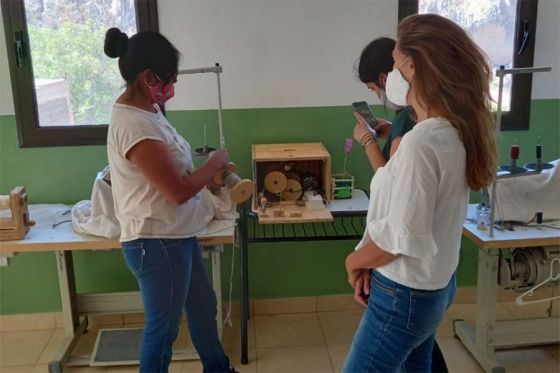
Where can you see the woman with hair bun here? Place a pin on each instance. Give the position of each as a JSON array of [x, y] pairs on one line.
[[410, 250], [157, 203]]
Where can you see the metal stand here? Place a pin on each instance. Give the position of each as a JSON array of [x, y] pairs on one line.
[[217, 69], [501, 73]]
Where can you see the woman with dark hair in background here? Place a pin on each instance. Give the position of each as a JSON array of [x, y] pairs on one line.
[[376, 62], [157, 203], [418, 201]]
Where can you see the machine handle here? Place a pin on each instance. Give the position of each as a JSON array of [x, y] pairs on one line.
[[524, 37], [18, 35]]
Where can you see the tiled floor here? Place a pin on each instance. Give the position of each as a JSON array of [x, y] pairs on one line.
[[299, 342]]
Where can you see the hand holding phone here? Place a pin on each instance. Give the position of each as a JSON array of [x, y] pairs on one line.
[[362, 108]]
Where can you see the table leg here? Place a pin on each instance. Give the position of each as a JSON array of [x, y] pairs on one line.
[[478, 340], [217, 284], [243, 243], [72, 326]]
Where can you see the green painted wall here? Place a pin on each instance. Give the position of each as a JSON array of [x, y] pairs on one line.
[[65, 175]]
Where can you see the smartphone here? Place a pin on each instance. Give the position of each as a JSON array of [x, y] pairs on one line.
[[363, 109]]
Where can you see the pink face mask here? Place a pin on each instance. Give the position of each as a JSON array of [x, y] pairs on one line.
[[161, 93]]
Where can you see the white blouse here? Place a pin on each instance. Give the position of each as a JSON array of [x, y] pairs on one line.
[[418, 204], [143, 211]]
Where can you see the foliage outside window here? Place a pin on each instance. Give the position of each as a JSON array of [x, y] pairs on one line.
[[505, 30], [63, 83]]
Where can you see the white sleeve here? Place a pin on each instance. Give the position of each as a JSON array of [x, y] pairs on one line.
[[407, 229], [131, 130]]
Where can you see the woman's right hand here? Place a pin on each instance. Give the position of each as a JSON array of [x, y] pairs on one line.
[[361, 128], [218, 159]]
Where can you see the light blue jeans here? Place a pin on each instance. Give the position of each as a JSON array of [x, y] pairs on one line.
[[172, 278], [397, 330]]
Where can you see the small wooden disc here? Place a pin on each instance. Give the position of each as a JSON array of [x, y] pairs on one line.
[[275, 182], [293, 190], [220, 176], [242, 191]]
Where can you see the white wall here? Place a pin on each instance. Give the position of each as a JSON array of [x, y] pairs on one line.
[[279, 53], [274, 53], [547, 50]]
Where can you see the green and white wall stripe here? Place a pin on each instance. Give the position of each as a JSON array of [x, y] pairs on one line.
[[288, 77]]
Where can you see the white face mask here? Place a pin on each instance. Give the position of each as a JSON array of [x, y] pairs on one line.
[[397, 87], [389, 104]]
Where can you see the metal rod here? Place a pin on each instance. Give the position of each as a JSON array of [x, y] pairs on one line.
[[522, 70], [500, 92], [217, 69], [222, 138], [201, 70]]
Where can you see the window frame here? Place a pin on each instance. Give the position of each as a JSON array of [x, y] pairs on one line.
[[517, 119], [30, 134]]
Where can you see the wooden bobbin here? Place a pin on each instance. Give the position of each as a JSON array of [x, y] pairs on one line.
[[242, 191], [294, 188], [275, 181], [219, 177]]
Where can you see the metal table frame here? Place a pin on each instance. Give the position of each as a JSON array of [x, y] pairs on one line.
[[348, 224], [488, 334], [76, 307]]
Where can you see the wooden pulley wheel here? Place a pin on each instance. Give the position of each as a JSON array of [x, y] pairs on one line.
[[294, 188], [275, 181], [220, 176], [242, 191]]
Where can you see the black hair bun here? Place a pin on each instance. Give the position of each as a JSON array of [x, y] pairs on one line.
[[116, 43]]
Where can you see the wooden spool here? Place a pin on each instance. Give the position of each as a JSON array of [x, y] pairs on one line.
[[240, 190], [294, 188], [275, 181]]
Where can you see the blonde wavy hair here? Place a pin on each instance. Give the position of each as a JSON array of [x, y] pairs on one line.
[[452, 78]]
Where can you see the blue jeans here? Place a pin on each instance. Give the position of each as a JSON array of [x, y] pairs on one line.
[[397, 330], [172, 277]]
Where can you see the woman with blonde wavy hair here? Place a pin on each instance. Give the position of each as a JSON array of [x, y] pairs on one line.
[[404, 267]]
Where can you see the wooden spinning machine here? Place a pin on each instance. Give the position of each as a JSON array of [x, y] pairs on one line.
[[16, 226]]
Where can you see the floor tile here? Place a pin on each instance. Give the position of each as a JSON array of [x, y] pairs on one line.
[[285, 305], [133, 318], [27, 322], [17, 369], [52, 347], [294, 359], [553, 350], [86, 343], [23, 348], [105, 321], [288, 330], [40, 368], [235, 359], [338, 353], [339, 302], [457, 357], [466, 312], [339, 327], [523, 360], [85, 369], [536, 310], [231, 337], [191, 366]]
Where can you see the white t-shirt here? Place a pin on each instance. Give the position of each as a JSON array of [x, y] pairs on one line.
[[418, 205], [142, 211]]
